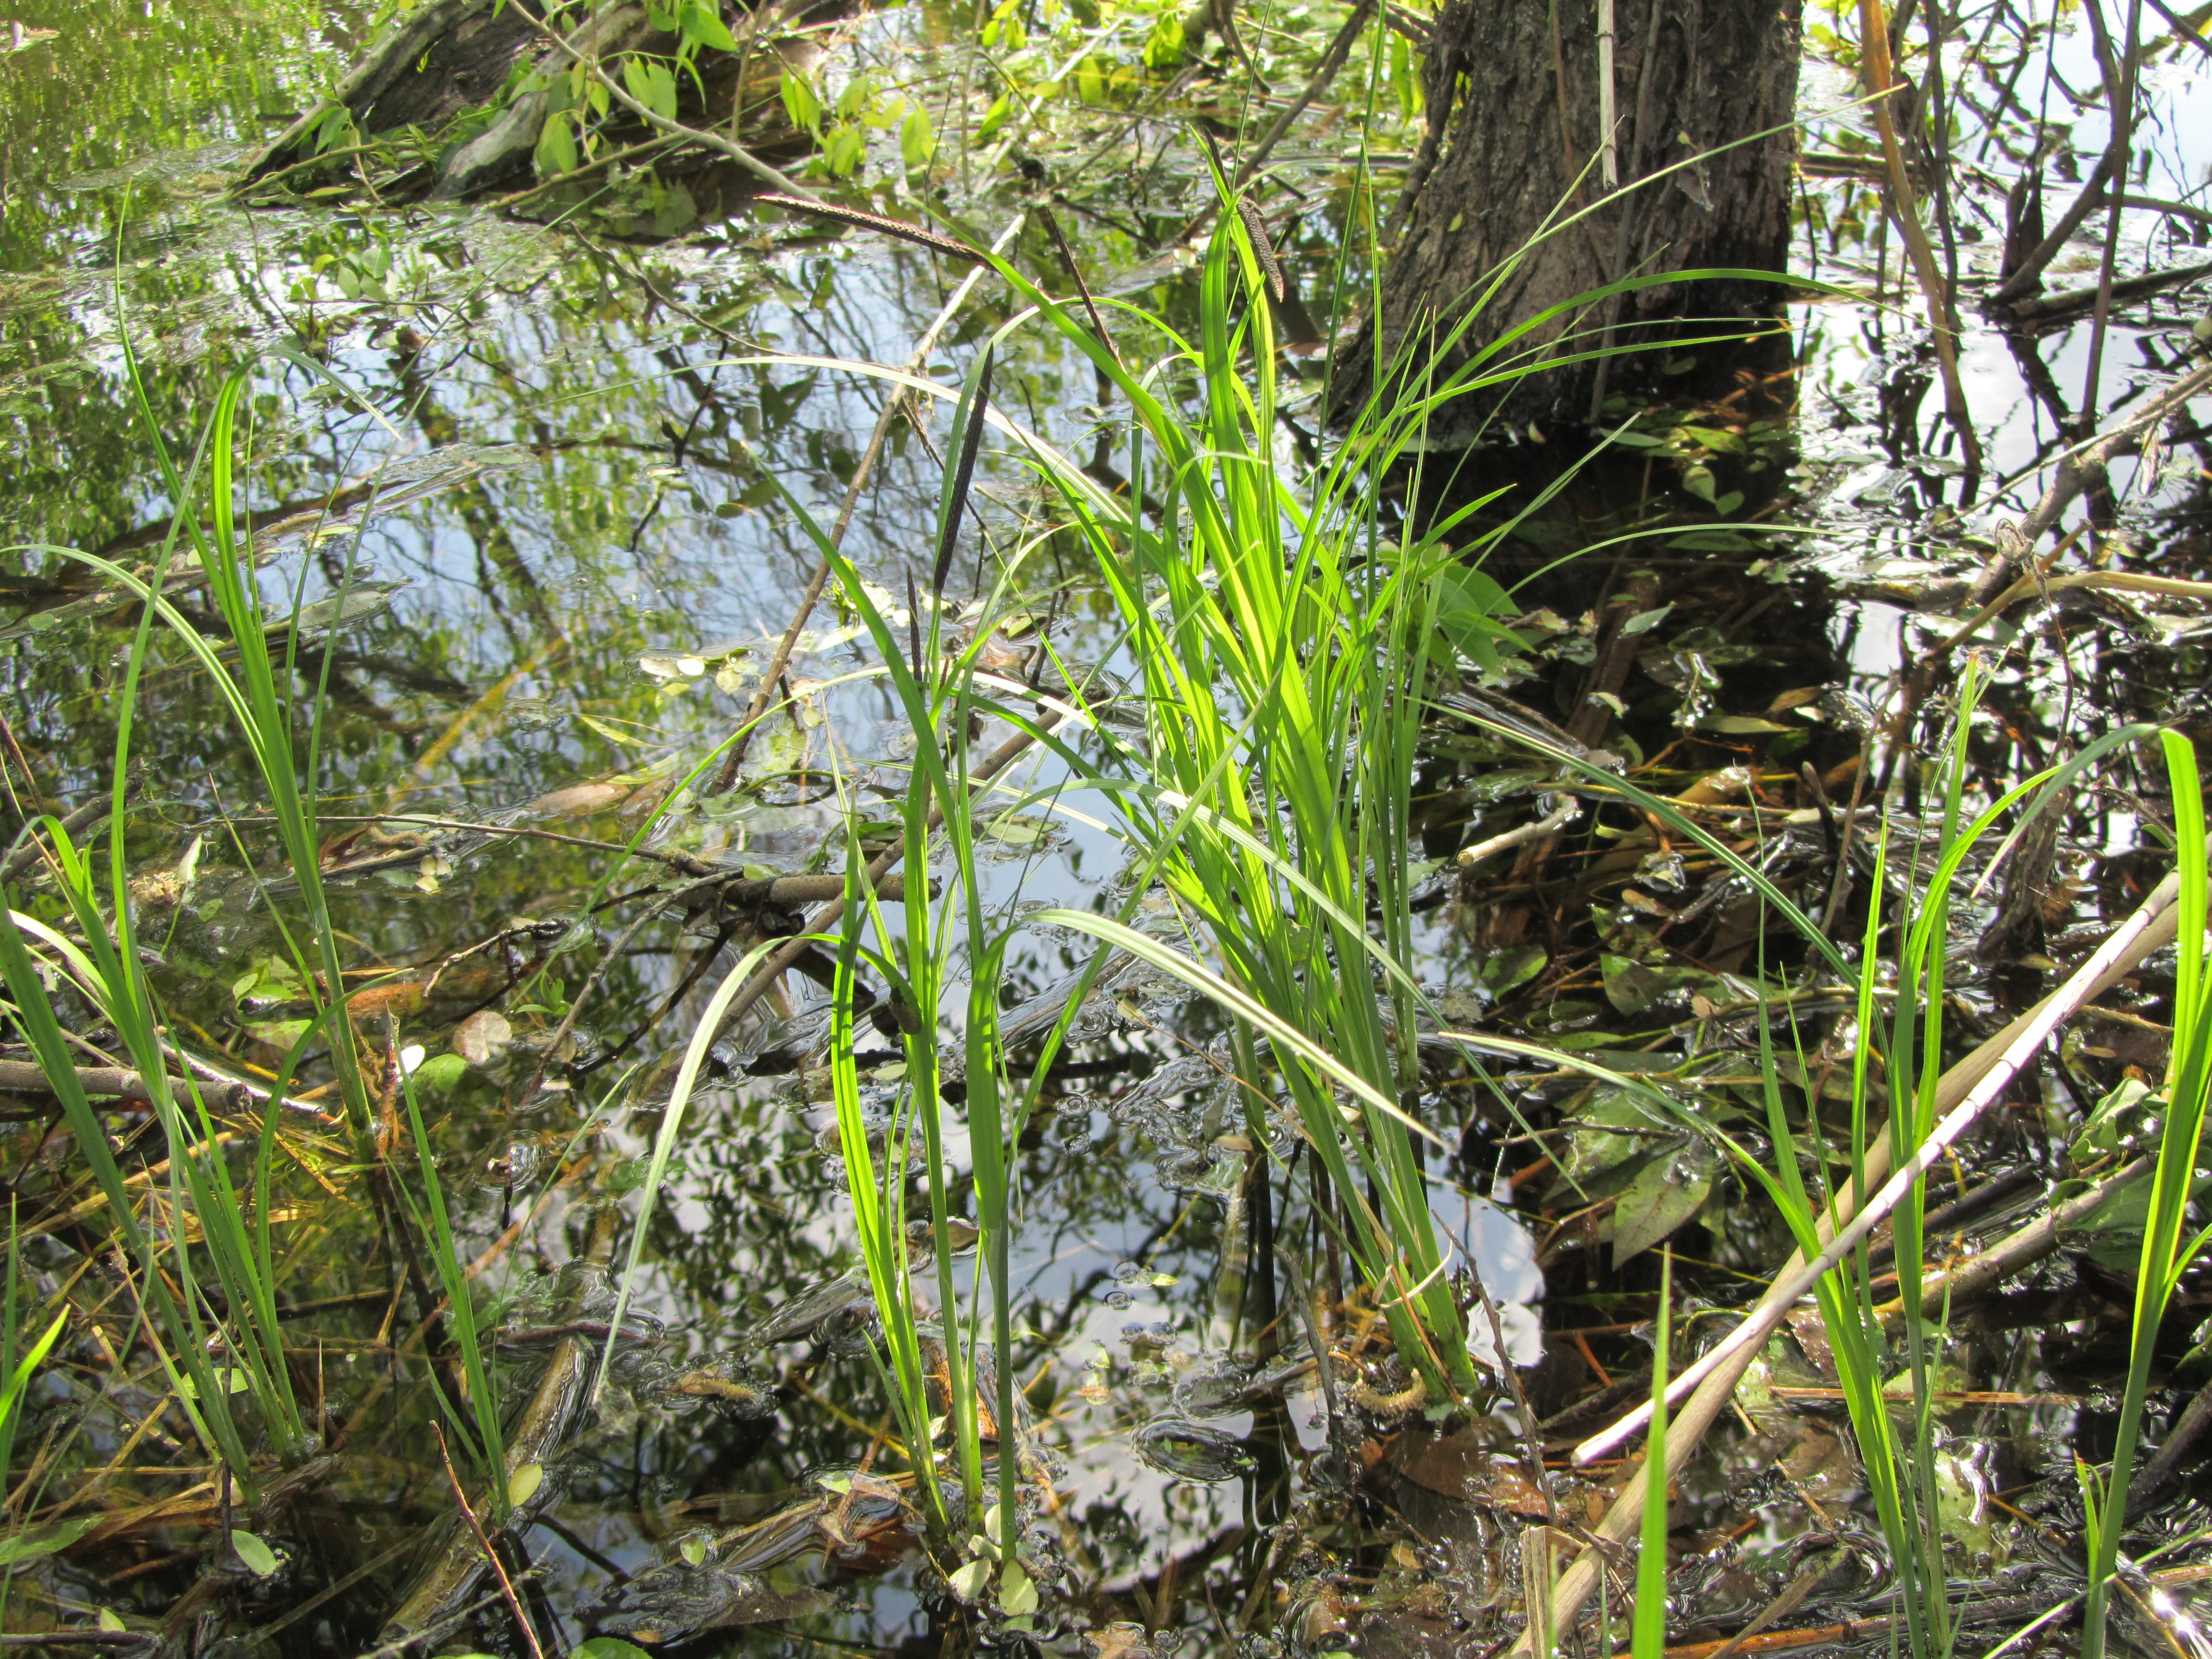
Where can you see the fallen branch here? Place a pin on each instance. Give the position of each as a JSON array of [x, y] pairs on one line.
[[2016, 1250], [2064, 307], [1688, 1426], [2026, 1042], [453, 1573], [25, 1077]]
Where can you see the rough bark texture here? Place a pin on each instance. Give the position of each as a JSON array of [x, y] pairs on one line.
[[1513, 97]]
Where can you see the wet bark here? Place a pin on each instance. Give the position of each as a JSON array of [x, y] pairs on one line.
[[1513, 108]]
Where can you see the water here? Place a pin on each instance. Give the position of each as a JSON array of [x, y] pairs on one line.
[[550, 453]]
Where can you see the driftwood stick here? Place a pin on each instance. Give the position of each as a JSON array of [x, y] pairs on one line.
[[2026, 1038], [1688, 1426]]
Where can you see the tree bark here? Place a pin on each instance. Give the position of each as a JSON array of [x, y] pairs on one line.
[[1514, 99]]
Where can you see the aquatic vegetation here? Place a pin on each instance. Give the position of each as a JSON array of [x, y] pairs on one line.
[[646, 1013]]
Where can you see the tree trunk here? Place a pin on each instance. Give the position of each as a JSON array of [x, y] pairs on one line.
[[1514, 99]]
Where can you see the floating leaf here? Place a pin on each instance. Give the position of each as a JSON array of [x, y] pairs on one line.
[[522, 1484], [1191, 1451], [607, 1647], [482, 1036], [1742, 724], [254, 1552], [968, 1582], [1016, 830], [1018, 1591], [439, 1072], [1509, 968]]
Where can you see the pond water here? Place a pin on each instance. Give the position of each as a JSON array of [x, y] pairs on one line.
[[561, 473]]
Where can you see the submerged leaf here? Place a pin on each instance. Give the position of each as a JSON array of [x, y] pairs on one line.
[[29, 1545], [1665, 1194]]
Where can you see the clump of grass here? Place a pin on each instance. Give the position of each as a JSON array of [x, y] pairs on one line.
[[2167, 1253]]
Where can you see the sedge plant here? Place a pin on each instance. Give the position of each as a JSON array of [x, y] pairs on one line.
[[2167, 1251]]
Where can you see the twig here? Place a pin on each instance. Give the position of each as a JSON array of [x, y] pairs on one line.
[[79, 1638], [1331, 61], [21, 858], [827, 917], [1780, 1606], [1467, 857], [498, 1566], [1942, 323], [1688, 1426], [2082, 986]]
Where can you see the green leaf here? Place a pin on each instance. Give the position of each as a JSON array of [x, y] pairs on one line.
[[993, 118], [1613, 1128], [2116, 1122], [1710, 437], [1666, 1193], [109, 1619], [1742, 725], [1645, 621], [522, 1485], [256, 1554], [556, 148], [917, 139], [662, 81], [1516, 965], [30, 1546], [704, 24], [1018, 1591], [844, 151], [800, 103], [439, 1072], [1698, 479], [607, 1647], [968, 1582]]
